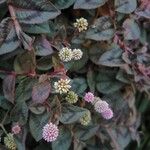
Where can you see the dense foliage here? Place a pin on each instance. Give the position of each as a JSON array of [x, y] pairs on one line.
[[75, 74]]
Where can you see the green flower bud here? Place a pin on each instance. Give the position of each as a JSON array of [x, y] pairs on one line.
[[10, 142], [71, 97], [86, 118]]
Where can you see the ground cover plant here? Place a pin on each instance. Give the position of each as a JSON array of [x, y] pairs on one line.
[[75, 74]]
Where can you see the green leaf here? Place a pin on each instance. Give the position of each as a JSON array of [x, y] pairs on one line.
[[20, 113], [43, 47], [125, 6], [42, 28], [41, 92], [90, 4], [36, 124], [9, 87], [44, 63], [37, 109], [4, 103], [25, 62], [112, 58], [79, 85], [63, 4], [91, 80], [97, 35], [9, 40], [63, 141], [107, 83], [24, 89], [33, 11], [71, 113], [132, 30], [85, 132]]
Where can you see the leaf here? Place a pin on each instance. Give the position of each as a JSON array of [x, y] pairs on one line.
[[33, 11], [63, 4], [25, 62], [112, 58], [63, 141], [20, 113], [88, 4], [24, 89], [44, 63], [103, 35], [9, 87], [8, 38], [4, 103], [71, 113], [36, 124], [107, 83], [41, 92], [43, 47], [85, 132], [125, 6], [79, 85], [132, 30], [91, 80], [143, 13], [37, 28], [37, 109]]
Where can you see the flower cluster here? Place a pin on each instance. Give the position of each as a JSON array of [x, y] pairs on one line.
[[100, 106], [62, 86], [71, 97], [86, 118], [66, 54], [16, 129], [10, 142], [50, 132], [89, 97], [81, 24]]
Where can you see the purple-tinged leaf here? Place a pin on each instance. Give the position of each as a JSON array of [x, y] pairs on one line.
[[9, 87], [41, 92]]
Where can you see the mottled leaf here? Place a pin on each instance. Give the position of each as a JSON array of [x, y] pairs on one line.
[[9, 87], [88, 4], [41, 92], [71, 113], [125, 6]]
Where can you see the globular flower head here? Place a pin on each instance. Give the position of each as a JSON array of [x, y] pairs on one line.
[[108, 114], [86, 118], [50, 132], [10, 142], [81, 24], [89, 97], [71, 97], [16, 129], [77, 54], [101, 106], [62, 86], [65, 54]]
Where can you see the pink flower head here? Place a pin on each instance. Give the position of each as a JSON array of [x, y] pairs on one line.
[[50, 132], [89, 97], [16, 129], [101, 106], [108, 114]]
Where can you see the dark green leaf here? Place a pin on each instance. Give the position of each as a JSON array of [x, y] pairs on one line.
[[36, 123], [125, 6], [63, 141], [33, 11], [63, 4], [88, 4], [71, 113]]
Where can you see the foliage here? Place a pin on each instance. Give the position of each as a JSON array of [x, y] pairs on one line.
[[109, 55]]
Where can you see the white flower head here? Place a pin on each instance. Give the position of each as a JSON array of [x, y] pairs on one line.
[[62, 86], [65, 54], [81, 24], [77, 54]]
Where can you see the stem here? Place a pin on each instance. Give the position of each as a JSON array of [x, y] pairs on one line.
[[1, 125]]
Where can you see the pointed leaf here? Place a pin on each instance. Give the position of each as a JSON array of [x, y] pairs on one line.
[[9, 87]]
